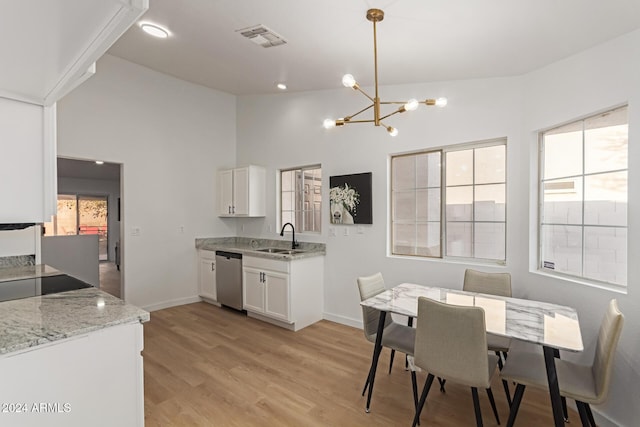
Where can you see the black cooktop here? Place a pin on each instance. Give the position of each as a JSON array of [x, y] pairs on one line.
[[32, 287]]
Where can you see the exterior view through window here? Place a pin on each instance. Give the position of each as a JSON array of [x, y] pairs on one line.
[[78, 215], [471, 196], [301, 198], [583, 190]]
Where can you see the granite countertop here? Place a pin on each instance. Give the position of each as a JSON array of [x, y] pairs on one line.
[[34, 321], [250, 247]]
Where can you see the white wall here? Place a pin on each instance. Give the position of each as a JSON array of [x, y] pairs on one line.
[[171, 137], [73, 255], [285, 130], [98, 187]]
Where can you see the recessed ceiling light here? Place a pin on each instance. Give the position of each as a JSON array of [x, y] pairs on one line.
[[282, 86], [99, 162], [154, 30]]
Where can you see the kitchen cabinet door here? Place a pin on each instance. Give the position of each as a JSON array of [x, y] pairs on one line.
[[253, 290], [277, 296], [241, 192], [225, 193], [207, 276]]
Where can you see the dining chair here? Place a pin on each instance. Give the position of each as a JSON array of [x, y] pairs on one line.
[[493, 284], [586, 384], [395, 336], [451, 342]]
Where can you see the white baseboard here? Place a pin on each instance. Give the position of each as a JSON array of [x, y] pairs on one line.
[[356, 323], [171, 303]]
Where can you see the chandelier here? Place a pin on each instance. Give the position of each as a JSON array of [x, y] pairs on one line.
[[375, 16]]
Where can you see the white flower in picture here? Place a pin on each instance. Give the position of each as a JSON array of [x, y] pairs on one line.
[[343, 201]]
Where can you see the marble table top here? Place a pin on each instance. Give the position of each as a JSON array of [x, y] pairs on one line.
[[537, 322], [30, 322]]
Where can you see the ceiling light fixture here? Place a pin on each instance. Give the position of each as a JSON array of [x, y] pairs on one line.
[[154, 30], [281, 86], [377, 15], [99, 162]]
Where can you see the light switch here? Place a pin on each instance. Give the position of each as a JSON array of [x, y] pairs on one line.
[[346, 231], [135, 231], [360, 229], [332, 232]]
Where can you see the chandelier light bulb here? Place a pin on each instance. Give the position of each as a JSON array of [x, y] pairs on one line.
[[392, 131], [348, 80], [441, 102], [411, 104], [328, 123]]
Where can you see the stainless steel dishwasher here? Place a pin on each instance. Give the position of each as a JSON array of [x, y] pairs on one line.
[[229, 279]]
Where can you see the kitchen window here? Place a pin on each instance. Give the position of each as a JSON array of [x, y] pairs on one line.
[[450, 202], [583, 194], [301, 198]]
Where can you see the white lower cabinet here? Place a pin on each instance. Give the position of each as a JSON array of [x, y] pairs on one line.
[[207, 275], [286, 292]]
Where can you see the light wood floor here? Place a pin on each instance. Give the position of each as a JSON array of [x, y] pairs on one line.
[[208, 366], [110, 278]]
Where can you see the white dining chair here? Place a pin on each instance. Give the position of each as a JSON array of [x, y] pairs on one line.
[[451, 343], [586, 384]]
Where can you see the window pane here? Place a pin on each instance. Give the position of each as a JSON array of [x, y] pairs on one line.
[[460, 167], [404, 172], [562, 202], [562, 248], [563, 151], [404, 239], [428, 239], [489, 166], [490, 203], [459, 203], [489, 240], [301, 198], [404, 206], [287, 201], [287, 180], [606, 199], [605, 254], [606, 140], [459, 238], [67, 218], [435, 169]]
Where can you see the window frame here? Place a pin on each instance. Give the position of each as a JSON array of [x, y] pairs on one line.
[[301, 169], [444, 256], [540, 268]]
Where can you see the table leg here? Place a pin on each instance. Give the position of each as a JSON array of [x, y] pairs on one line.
[[554, 389], [377, 348]]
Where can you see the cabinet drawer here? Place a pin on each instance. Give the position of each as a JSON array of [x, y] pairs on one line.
[[266, 264]]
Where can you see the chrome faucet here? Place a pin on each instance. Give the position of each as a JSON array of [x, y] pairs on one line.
[[294, 244]]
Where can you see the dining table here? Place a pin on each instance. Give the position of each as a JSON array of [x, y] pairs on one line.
[[554, 327]]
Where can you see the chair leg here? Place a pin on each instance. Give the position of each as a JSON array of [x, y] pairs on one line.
[[500, 365], [515, 404], [414, 388], [423, 398], [493, 405], [505, 384], [442, 383], [406, 360], [582, 411], [590, 415], [393, 353], [476, 406]]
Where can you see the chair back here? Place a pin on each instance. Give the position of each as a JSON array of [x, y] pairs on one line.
[[370, 286], [451, 342], [606, 345], [487, 283]]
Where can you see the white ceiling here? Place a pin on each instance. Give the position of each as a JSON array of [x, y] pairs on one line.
[[418, 40], [85, 169]]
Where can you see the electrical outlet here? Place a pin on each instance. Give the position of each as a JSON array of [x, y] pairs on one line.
[[332, 232], [346, 231], [181, 229], [135, 231], [360, 230]]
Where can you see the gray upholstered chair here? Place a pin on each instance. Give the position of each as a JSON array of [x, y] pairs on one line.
[[451, 342], [494, 284], [395, 335], [586, 384]]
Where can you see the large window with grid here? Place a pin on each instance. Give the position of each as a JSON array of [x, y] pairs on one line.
[[301, 198], [583, 192], [450, 202]]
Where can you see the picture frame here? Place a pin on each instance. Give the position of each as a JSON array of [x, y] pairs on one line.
[[350, 199]]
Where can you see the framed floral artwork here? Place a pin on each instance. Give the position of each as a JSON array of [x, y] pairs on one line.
[[350, 199]]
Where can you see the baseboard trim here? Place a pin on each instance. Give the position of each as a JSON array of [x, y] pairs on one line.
[[171, 303], [343, 320]]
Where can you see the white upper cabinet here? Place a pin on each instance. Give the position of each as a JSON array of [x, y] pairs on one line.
[[241, 192], [49, 47]]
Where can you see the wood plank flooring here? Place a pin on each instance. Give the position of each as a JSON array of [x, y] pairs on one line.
[[209, 366]]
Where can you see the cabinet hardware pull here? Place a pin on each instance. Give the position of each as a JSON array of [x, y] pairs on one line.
[[212, 267]]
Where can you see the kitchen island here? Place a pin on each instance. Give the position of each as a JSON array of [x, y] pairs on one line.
[[70, 359]]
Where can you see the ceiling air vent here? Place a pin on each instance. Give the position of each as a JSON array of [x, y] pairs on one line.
[[262, 36]]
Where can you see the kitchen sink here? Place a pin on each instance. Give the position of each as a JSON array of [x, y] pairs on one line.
[[273, 250]]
